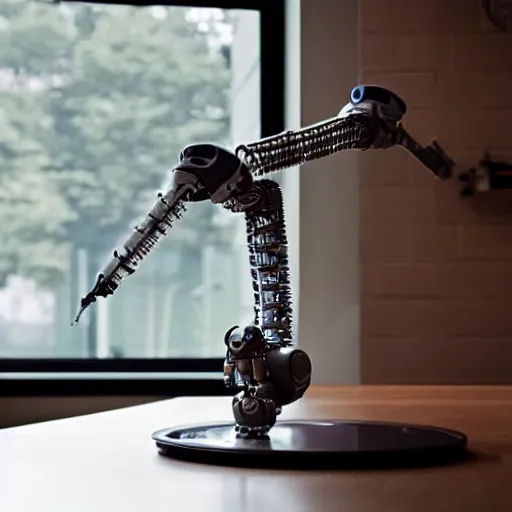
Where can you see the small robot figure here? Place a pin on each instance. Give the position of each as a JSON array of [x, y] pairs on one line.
[[270, 374]]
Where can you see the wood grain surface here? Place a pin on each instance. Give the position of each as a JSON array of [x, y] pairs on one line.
[[108, 462]]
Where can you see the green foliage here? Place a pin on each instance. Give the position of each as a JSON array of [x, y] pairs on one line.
[[96, 104]]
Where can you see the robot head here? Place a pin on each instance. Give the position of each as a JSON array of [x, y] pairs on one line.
[[374, 100], [218, 174]]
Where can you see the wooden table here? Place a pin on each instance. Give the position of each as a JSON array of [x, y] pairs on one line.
[[108, 462]]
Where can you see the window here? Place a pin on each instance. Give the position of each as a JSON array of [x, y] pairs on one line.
[[97, 100]]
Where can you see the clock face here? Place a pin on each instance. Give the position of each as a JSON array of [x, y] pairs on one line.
[[500, 13]]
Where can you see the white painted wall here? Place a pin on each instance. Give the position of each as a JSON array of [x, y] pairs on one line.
[[322, 199], [245, 127]]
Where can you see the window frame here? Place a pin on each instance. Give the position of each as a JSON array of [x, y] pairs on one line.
[[66, 374]]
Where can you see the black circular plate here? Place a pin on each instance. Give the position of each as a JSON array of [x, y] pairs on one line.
[[315, 444]]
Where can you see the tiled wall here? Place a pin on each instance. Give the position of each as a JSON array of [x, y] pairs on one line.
[[437, 268]]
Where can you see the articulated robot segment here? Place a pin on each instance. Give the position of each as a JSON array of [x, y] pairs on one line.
[[371, 120], [260, 359]]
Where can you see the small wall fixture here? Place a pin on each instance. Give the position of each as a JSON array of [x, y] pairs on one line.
[[489, 175]]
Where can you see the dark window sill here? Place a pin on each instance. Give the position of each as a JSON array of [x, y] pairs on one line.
[[159, 385], [130, 366]]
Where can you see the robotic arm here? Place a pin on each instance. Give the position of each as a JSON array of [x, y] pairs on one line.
[[260, 359]]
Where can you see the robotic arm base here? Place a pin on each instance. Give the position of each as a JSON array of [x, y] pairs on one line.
[[270, 375]]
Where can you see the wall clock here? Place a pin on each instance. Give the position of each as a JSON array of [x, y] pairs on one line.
[[499, 13]]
